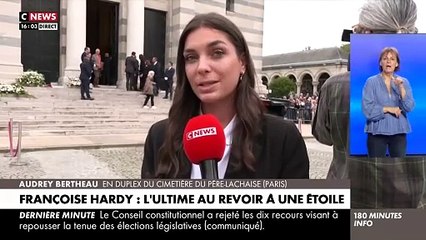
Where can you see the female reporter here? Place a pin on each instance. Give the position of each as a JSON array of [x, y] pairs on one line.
[[386, 100], [215, 75]]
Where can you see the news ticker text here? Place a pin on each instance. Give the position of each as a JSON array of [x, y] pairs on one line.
[[177, 221], [192, 206]]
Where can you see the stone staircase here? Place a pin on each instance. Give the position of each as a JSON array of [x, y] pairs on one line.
[[59, 112]]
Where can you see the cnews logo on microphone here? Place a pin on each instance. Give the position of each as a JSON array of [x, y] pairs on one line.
[[202, 132]]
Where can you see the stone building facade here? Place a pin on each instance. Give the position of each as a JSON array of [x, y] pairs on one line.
[[151, 27], [309, 69]]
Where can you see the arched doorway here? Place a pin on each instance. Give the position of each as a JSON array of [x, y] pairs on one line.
[[292, 77], [307, 86], [275, 77], [265, 81], [102, 32], [321, 80]]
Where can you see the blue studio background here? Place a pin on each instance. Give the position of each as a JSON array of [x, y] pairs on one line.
[[364, 62]]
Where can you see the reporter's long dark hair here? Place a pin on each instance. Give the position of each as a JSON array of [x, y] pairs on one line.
[[187, 105]]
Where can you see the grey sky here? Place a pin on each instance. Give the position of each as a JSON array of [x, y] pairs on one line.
[[292, 25]]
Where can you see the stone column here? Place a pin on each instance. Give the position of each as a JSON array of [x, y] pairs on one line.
[[75, 36], [299, 86], [182, 11], [315, 85], [135, 26], [132, 33]]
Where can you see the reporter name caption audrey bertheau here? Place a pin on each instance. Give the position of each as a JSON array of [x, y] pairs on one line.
[[171, 205]]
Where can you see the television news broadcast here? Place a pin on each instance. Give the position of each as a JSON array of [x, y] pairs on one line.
[[123, 117]]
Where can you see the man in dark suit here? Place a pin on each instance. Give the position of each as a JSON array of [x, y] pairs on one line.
[[86, 51], [168, 80], [132, 68], [107, 69], [83, 55], [156, 67], [86, 69], [142, 78]]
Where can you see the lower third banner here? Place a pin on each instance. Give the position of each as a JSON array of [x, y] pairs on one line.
[[305, 208]]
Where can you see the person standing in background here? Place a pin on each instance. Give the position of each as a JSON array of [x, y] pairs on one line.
[[97, 66], [156, 67], [86, 51], [168, 80], [85, 73], [132, 68], [148, 67], [148, 90], [106, 71], [141, 72]]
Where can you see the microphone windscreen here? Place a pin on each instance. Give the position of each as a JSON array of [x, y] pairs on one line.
[[204, 139]]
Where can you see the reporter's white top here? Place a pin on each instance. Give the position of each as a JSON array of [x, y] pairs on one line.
[[223, 163]]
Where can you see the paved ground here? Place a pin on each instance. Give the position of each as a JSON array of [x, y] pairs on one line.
[[114, 163], [62, 139], [110, 162]]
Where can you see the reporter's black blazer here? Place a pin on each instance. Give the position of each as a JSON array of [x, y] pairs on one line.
[[280, 152]]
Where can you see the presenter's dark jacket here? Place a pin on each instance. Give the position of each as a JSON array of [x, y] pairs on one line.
[[280, 152]]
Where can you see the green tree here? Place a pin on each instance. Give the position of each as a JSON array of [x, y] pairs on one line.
[[281, 86]]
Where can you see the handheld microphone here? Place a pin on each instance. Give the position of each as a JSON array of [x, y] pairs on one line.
[[204, 144]]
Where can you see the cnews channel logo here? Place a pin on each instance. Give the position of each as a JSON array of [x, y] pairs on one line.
[[202, 132], [38, 21]]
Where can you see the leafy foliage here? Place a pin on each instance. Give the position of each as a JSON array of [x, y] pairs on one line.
[[281, 87]]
